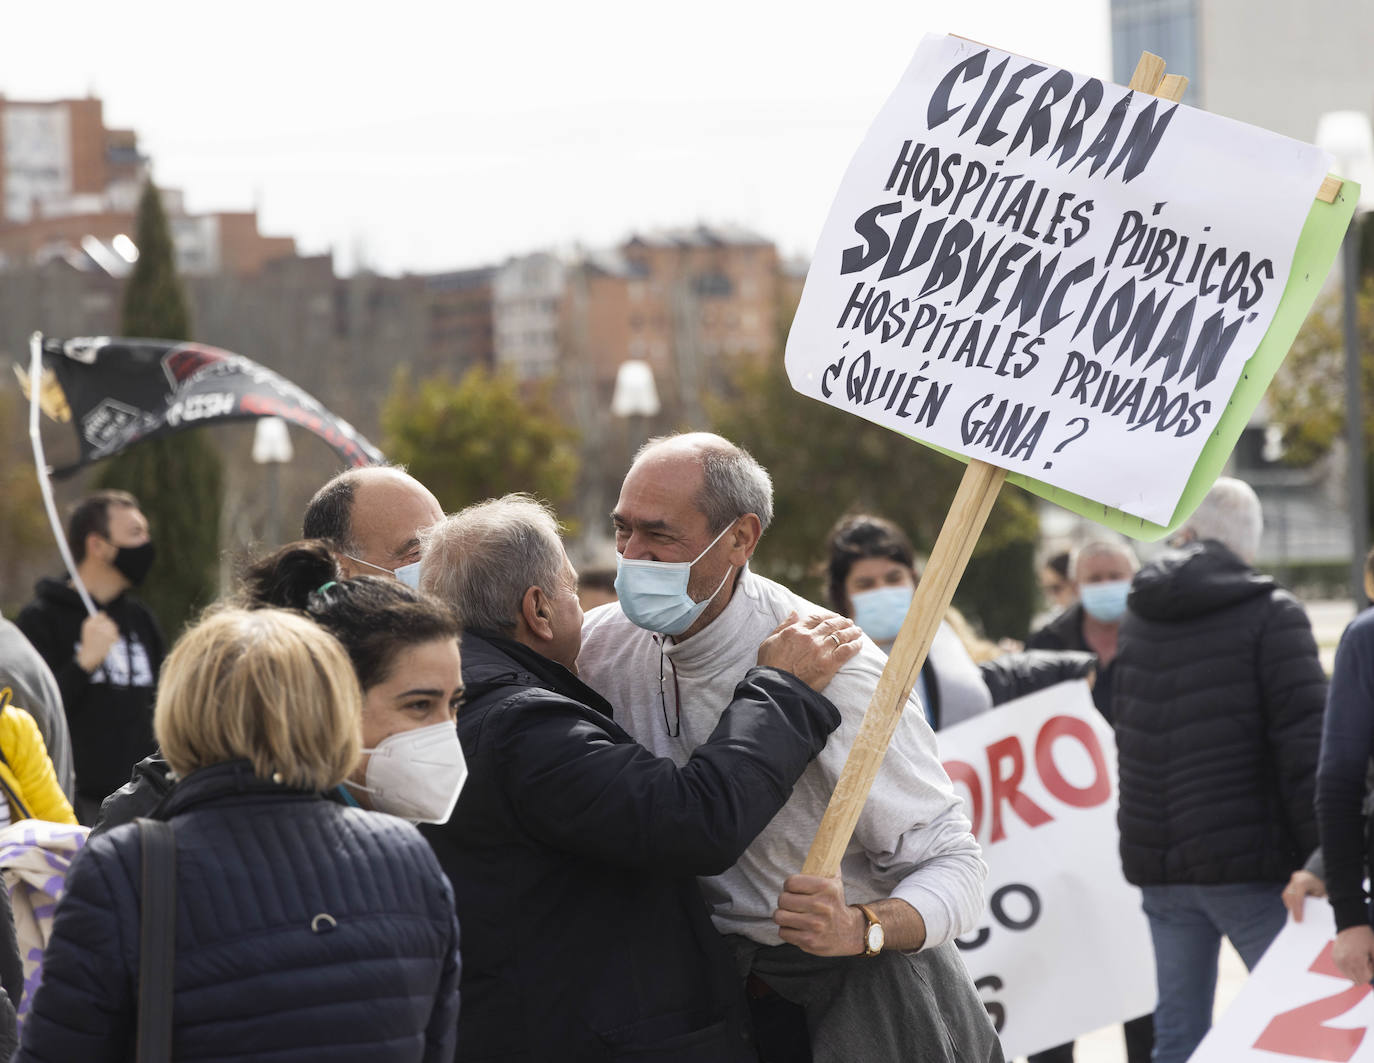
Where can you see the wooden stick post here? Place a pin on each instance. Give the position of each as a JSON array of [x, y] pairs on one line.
[[963, 524]]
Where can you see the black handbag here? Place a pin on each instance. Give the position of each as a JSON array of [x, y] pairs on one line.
[[156, 941]]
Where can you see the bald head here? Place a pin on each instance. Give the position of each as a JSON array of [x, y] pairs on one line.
[[374, 516]]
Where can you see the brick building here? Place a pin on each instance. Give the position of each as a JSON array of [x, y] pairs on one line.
[[69, 180]]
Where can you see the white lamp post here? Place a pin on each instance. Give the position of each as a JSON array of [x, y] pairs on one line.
[[272, 447], [635, 398], [1347, 136]]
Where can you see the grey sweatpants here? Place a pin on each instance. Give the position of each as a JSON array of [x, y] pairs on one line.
[[896, 1007]]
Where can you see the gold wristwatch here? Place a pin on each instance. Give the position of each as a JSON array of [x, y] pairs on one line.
[[873, 933]]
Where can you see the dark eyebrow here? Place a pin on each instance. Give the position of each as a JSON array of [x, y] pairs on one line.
[[420, 692], [644, 525], [405, 548]]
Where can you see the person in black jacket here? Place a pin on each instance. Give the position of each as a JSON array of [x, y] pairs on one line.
[[304, 930], [106, 664], [1218, 714], [1343, 819], [573, 850], [1101, 575]]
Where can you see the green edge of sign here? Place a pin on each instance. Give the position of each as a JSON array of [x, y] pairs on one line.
[[1317, 248]]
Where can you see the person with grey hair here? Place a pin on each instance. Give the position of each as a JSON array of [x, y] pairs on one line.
[[880, 979], [1100, 573], [573, 850], [1217, 706]]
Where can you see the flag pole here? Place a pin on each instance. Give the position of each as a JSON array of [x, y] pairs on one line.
[[41, 465]]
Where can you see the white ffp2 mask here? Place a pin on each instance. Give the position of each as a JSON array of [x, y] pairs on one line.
[[417, 774]]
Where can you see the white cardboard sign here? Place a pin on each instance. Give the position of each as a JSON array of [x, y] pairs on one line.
[[1296, 1005], [1064, 947], [1050, 273]]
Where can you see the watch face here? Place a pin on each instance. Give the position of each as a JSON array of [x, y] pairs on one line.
[[875, 937]]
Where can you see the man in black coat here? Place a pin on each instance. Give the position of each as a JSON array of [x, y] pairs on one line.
[[573, 851], [1218, 713]]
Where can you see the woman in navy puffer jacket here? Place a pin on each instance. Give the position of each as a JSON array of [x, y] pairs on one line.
[[305, 930]]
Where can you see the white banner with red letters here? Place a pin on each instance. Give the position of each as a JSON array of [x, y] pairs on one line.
[[1063, 948], [1296, 1005]]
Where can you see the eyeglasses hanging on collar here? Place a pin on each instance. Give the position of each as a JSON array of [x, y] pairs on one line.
[[675, 727]]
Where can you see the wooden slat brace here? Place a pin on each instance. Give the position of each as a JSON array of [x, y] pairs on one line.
[[1330, 189], [1149, 72]]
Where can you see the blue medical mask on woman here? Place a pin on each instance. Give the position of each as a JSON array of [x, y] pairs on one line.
[[653, 594], [880, 612], [1105, 601]]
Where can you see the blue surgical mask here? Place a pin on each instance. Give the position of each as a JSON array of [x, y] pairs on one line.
[[880, 612], [653, 594], [410, 575], [1105, 601], [407, 574]]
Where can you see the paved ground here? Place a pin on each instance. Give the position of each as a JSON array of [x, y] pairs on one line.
[[1105, 1046]]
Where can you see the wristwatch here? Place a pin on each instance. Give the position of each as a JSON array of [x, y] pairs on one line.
[[873, 934]]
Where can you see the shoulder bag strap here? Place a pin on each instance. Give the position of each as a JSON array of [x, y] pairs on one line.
[[156, 942]]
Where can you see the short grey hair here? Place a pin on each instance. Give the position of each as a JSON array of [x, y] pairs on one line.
[[482, 560], [1231, 515], [733, 483], [1101, 548]]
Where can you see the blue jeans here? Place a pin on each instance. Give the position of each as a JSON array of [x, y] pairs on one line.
[[1187, 923]]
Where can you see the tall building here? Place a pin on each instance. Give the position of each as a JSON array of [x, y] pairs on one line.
[[461, 325], [527, 307], [1272, 63], [1279, 65], [71, 187]]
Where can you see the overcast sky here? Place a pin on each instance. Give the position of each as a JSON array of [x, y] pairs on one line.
[[431, 136]]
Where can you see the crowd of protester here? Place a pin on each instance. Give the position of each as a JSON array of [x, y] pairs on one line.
[[414, 758]]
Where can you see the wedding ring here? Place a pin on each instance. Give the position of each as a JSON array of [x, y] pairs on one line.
[[835, 637]]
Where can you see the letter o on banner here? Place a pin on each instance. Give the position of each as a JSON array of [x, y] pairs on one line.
[[1096, 792]]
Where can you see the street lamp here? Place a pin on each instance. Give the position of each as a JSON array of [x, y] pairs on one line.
[[272, 447], [635, 398], [1347, 136]]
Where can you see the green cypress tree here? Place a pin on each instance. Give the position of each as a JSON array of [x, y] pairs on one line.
[[178, 480]]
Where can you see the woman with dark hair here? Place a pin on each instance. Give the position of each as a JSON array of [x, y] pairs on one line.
[[404, 650], [871, 576]]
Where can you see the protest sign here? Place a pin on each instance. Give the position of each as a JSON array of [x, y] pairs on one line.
[[1296, 1005], [955, 267], [1063, 948], [1060, 277]]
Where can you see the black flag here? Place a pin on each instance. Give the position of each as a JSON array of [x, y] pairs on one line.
[[123, 391]]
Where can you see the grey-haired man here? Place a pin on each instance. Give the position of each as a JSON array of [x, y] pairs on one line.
[[880, 978]]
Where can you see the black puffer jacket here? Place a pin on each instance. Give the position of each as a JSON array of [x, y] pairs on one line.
[[255, 977], [572, 852], [1218, 713]]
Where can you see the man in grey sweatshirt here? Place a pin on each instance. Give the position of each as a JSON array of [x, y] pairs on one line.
[[880, 978]]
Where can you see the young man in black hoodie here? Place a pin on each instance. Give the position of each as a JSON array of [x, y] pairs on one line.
[[1218, 711], [107, 664]]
